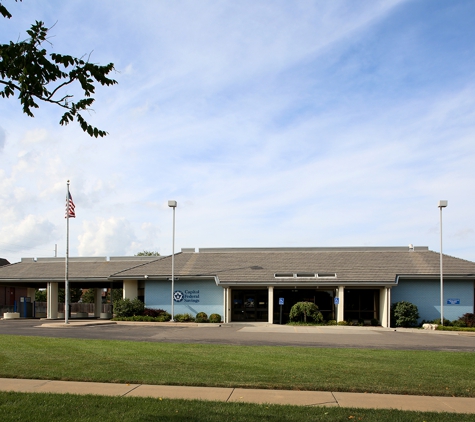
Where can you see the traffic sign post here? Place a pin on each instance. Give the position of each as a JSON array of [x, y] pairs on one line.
[[281, 303]]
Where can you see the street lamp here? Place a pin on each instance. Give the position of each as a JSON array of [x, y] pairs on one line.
[[173, 204], [442, 204]]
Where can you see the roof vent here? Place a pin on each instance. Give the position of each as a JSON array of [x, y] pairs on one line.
[[326, 275], [305, 275], [284, 275]]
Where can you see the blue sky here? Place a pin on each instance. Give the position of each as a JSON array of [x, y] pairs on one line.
[[272, 123]]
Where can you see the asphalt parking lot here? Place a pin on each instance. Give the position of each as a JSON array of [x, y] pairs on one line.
[[250, 334]]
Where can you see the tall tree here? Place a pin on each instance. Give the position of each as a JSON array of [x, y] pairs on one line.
[[27, 70]]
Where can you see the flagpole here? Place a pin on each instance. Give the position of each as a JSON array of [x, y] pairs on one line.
[[66, 278]]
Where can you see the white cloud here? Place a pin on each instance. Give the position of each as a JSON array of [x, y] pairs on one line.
[[27, 234], [271, 123], [106, 237]]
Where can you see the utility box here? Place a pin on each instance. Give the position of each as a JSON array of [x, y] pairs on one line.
[[26, 307]]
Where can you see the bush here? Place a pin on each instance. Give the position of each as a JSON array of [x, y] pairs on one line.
[[374, 322], [201, 317], [164, 317], [331, 322], [128, 308], [303, 310], [468, 319], [215, 318], [154, 313], [342, 323], [404, 314], [458, 323], [447, 323], [184, 318]]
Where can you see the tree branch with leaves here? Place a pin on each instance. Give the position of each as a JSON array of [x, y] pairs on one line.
[[29, 71]]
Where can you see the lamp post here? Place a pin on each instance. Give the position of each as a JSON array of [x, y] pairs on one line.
[[442, 204], [173, 205]]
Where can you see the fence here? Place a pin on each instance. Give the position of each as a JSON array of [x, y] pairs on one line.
[[40, 308]]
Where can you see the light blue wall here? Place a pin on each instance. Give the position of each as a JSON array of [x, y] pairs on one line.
[[198, 296], [425, 294]]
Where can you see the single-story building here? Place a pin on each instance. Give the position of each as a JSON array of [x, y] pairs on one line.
[[31, 274], [261, 284]]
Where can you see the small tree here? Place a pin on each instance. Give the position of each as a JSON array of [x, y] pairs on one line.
[[40, 296], [89, 296], [405, 314], [75, 294], [305, 309], [468, 319], [128, 308]]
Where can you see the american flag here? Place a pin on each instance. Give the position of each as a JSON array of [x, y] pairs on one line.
[[70, 207]]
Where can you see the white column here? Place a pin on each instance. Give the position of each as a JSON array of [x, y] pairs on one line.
[[341, 305], [225, 304], [228, 305], [52, 301], [270, 305], [389, 307], [97, 302], [384, 306], [131, 289]]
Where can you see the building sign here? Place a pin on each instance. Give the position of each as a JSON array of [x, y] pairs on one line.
[[336, 301], [453, 301], [188, 296], [281, 300]]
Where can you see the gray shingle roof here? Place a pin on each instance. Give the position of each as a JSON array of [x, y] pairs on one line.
[[259, 266], [246, 266], [53, 269]]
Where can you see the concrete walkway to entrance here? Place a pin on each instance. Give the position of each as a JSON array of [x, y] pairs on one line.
[[283, 397]]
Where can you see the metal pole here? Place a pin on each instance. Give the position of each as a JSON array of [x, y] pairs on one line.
[[173, 267], [66, 281], [441, 275]]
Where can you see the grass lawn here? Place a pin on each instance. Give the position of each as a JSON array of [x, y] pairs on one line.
[[353, 370], [55, 407]]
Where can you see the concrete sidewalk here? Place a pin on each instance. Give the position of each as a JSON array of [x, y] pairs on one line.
[[298, 398]]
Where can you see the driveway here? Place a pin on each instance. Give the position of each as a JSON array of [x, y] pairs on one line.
[[248, 334]]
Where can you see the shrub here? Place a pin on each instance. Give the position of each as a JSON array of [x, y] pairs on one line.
[[458, 323], [184, 318], [154, 312], [215, 318], [305, 309], [468, 319], [447, 323], [405, 314], [164, 317], [201, 317], [331, 322], [374, 322], [342, 323], [127, 307]]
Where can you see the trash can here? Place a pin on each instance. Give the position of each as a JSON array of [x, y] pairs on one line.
[[26, 307]]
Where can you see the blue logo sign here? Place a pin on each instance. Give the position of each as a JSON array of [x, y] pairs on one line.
[[178, 296], [188, 296], [281, 300], [336, 301], [453, 301]]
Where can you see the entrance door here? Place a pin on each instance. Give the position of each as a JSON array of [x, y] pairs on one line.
[[361, 305], [11, 296], [249, 305]]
